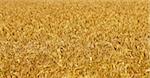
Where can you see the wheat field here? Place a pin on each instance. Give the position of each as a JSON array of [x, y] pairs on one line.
[[74, 39]]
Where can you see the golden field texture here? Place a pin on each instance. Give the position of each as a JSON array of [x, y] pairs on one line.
[[74, 39]]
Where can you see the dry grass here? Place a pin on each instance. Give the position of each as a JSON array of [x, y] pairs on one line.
[[74, 39]]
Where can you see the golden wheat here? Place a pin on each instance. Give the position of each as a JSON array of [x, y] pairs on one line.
[[74, 39]]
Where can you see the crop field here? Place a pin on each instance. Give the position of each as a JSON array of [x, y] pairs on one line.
[[74, 39]]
